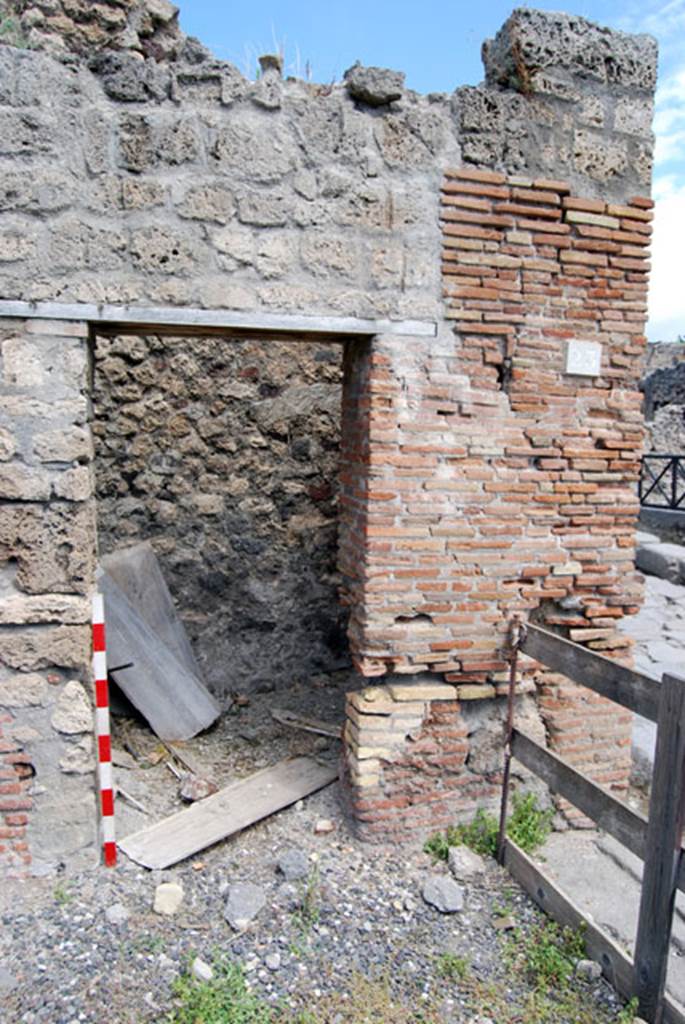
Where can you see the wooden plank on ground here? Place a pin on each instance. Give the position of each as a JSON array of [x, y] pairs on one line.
[[616, 964], [631, 689], [230, 810], [172, 699], [663, 855]]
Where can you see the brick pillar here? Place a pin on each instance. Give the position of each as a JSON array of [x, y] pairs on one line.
[[496, 474], [47, 561]]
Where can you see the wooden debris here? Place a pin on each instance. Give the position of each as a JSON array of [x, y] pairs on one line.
[[122, 759], [230, 810], [130, 799], [184, 758], [138, 575], [173, 699], [308, 724]]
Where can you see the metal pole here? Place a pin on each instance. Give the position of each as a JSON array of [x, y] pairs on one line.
[[516, 635]]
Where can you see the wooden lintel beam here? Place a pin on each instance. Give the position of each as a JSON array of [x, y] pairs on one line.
[[191, 320]]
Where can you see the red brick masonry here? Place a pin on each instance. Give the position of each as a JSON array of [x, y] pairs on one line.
[[482, 479]]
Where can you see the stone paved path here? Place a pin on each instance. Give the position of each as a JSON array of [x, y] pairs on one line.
[[659, 634]]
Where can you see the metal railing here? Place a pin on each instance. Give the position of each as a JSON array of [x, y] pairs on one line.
[[662, 481]]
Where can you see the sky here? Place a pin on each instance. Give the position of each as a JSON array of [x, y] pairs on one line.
[[437, 44]]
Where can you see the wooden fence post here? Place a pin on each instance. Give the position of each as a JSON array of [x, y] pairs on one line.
[[662, 855]]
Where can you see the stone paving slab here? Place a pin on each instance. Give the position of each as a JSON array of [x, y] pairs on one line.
[[603, 878]]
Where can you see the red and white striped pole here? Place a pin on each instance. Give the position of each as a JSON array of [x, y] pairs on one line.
[[102, 732]]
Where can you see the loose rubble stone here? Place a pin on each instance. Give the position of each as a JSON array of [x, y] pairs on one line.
[[168, 898], [589, 969], [443, 893], [201, 970], [243, 903], [194, 787], [323, 827], [293, 864], [464, 863], [273, 961], [374, 86], [117, 914]]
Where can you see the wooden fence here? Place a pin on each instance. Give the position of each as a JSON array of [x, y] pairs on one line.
[[657, 840]]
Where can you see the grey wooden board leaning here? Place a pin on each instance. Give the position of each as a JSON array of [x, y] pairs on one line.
[[230, 810], [616, 965], [173, 700], [631, 689], [136, 572]]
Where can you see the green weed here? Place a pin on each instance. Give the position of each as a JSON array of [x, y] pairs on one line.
[[629, 1012], [452, 967], [551, 954], [62, 895], [528, 825], [309, 911], [11, 31], [225, 999]]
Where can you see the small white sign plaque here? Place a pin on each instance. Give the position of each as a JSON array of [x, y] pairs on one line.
[[584, 358]]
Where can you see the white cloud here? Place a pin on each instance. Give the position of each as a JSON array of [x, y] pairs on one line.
[[665, 21], [669, 120], [667, 287]]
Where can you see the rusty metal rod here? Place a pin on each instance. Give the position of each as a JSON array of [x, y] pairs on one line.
[[516, 634]]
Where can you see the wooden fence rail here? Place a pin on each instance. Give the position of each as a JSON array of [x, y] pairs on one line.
[[656, 839]]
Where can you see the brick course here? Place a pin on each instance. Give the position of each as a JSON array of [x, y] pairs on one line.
[[496, 482]]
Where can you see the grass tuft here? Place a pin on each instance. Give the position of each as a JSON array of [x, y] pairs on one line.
[[529, 826]]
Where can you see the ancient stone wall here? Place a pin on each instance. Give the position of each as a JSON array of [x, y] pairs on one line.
[[146, 28], [482, 474], [224, 454], [47, 547], [663, 387]]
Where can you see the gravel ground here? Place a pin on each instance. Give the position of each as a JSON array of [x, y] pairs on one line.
[[358, 912]]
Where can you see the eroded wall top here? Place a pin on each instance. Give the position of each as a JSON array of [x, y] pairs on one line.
[[146, 27], [135, 168]]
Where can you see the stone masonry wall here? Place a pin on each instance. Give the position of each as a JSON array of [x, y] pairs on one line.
[[47, 548], [186, 184], [663, 387], [224, 453], [479, 478], [61, 27]]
